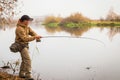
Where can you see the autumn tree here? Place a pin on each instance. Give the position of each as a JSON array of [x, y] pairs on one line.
[[7, 10]]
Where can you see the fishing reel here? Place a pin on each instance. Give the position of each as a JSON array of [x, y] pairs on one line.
[[38, 40]]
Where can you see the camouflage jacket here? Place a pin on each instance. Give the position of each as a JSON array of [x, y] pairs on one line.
[[24, 34]]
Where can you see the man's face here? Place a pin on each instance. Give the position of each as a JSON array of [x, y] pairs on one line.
[[26, 22]]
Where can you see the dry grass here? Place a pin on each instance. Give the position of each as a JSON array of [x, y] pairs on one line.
[[6, 76], [75, 18], [52, 19]]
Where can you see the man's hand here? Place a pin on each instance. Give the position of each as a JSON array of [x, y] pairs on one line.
[[37, 37]]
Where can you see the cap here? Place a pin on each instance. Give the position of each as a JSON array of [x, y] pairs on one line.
[[26, 17]]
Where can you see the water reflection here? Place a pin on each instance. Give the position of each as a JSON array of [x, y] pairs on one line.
[[53, 29], [70, 59], [112, 31], [73, 31]]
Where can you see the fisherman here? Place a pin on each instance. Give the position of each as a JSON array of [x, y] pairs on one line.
[[24, 35]]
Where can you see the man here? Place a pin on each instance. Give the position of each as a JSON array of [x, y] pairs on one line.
[[24, 35]]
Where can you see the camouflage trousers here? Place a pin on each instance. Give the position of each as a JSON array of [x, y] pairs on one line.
[[25, 68]]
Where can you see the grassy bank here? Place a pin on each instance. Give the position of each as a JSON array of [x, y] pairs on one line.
[[77, 25], [77, 20], [106, 23]]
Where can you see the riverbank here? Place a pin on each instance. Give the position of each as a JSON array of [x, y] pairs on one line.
[[90, 24], [77, 20], [6, 76]]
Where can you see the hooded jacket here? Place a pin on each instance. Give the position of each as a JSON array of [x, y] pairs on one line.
[[24, 34]]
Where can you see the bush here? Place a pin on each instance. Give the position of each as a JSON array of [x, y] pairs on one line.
[[52, 19], [75, 18]]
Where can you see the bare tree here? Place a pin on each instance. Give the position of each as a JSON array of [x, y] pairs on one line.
[[112, 16]]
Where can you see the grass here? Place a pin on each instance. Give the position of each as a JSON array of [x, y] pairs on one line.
[[77, 20], [77, 25], [52, 24], [6, 76], [10, 67]]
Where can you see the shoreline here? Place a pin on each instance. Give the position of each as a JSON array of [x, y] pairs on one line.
[[7, 76], [77, 25]]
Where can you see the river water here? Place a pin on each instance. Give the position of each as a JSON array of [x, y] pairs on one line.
[[70, 58]]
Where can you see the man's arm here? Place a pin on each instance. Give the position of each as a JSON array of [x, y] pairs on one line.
[[31, 32], [22, 35]]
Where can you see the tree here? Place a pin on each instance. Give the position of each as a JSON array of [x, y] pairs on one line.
[[112, 16], [7, 10]]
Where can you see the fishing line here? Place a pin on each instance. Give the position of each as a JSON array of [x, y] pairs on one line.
[[37, 49], [75, 37]]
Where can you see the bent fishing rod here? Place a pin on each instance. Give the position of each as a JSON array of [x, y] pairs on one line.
[[74, 37], [67, 37]]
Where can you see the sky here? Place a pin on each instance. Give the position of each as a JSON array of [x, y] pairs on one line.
[[93, 9]]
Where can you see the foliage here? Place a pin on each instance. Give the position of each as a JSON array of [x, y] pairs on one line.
[[53, 24], [75, 18], [52, 19], [108, 24], [7, 10], [76, 25]]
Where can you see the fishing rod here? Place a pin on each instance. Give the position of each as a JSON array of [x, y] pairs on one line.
[[74, 37], [36, 48]]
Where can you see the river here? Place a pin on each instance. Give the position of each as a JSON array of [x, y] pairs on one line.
[[70, 58]]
